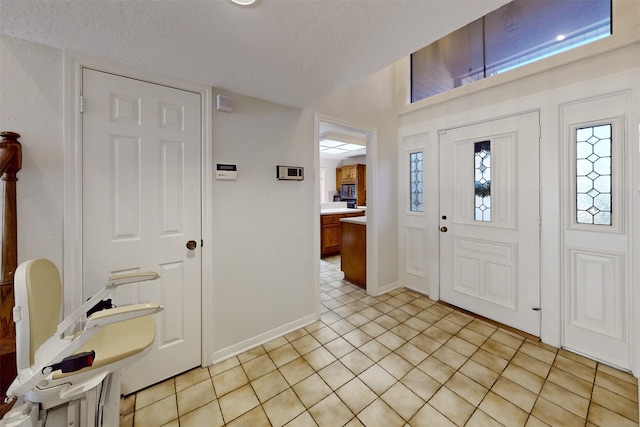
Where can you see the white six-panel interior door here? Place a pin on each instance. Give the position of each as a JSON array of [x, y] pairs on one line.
[[141, 205]]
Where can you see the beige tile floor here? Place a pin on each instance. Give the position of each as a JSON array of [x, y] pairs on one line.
[[396, 360]]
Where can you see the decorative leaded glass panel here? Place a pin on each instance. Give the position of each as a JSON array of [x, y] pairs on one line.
[[593, 175], [417, 180], [482, 177]]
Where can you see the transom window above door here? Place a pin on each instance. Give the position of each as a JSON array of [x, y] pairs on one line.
[[519, 33]]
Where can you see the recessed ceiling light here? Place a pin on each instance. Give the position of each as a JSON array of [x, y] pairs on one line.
[[334, 151], [330, 143], [244, 2], [561, 37]]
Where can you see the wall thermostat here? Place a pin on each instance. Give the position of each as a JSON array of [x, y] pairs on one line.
[[290, 173], [226, 171]]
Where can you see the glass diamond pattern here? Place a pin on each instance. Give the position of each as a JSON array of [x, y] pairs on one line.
[[416, 182], [593, 175], [482, 174]]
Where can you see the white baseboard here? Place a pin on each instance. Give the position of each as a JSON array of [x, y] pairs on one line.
[[388, 287], [248, 344]]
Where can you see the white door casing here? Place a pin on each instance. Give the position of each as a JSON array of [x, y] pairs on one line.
[[141, 204], [492, 268], [596, 289], [414, 232]]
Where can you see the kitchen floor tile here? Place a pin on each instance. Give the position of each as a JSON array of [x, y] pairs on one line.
[[380, 414], [356, 395], [283, 408], [229, 380], [331, 411], [399, 359], [503, 411], [195, 396], [402, 400]]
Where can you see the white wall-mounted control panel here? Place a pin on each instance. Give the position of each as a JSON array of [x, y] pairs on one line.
[[228, 172], [290, 173]]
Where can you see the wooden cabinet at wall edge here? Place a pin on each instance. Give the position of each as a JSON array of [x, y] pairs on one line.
[[353, 174], [331, 232]]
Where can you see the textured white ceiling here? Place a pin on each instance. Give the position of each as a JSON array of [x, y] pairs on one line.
[[292, 52]]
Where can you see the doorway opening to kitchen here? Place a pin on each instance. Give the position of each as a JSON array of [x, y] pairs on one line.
[[343, 200]]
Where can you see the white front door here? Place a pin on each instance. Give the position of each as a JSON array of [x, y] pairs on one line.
[[489, 220], [141, 205], [596, 255], [414, 231]]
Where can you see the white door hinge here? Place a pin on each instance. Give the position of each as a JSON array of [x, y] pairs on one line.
[[81, 104]]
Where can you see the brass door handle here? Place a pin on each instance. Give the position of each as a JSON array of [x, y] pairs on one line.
[[443, 229], [191, 245]]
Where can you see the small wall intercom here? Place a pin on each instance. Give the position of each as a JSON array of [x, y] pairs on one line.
[[226, 171], [290, 173]]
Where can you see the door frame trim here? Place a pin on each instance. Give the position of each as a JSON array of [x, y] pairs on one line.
[[72, 179], [372, 229]]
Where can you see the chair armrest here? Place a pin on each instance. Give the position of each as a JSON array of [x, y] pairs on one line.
[[78, 313], [112, 283], [119, 314], [123, 279]]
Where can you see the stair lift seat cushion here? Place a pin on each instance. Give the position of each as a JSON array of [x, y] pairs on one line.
[[117, 342]]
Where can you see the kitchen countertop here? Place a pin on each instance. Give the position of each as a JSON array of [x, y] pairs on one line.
[[340, 211], [356, 220]]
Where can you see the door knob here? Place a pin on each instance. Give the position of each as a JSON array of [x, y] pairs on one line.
[[191, 245], [443, 229]]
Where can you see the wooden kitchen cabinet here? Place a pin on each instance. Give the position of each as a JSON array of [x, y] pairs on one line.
[[354, 174], [353, 262], [331, 232], [349, 174]]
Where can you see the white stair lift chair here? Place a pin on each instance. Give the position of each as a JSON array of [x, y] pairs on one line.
[[118, 336]]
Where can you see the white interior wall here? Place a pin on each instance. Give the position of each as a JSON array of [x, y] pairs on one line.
[[31, 104], [355, 160], [330, 166], [264, 268]]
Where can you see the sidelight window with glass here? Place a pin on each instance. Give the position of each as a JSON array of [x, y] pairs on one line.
[[416, 178], [593, 175]]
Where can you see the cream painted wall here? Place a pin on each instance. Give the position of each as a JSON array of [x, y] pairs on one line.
[[263, 257], [330, 166], [372, 103], [31, 105]]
